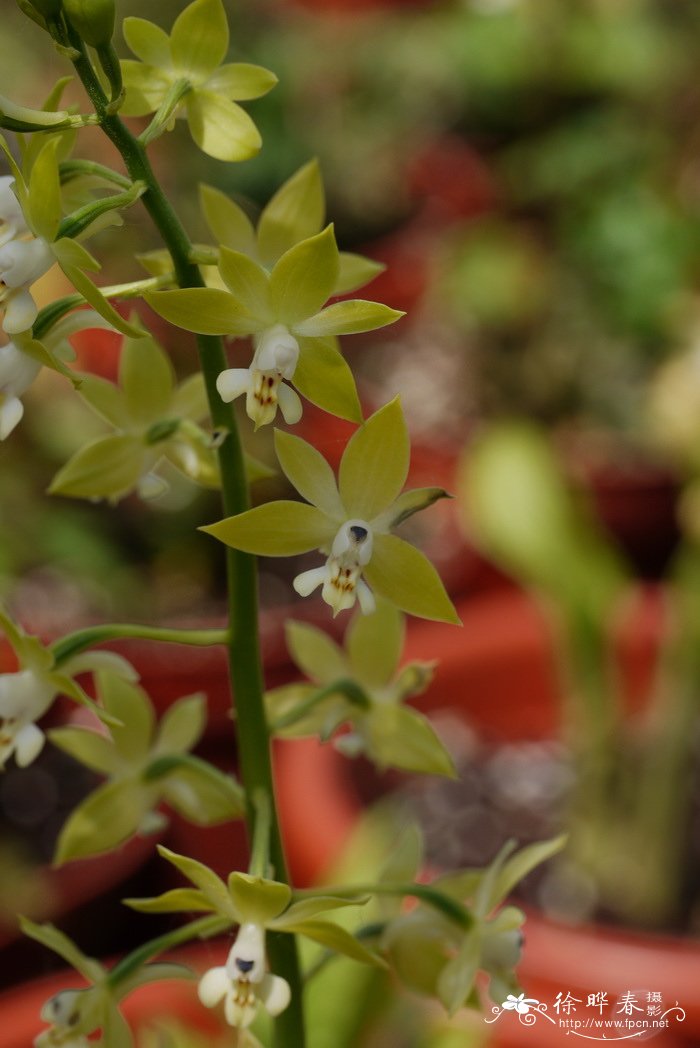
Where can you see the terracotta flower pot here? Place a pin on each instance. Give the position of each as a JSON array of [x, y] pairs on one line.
[[498, 672]]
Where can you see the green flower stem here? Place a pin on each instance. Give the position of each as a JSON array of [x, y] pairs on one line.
[[76, 642], [448, 906], [352, 692], [203, 928], [49, 315], [260, 852], [204, 256], [244, 642], [166, 111], [70, 169]]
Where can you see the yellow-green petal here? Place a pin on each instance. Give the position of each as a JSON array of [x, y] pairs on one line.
[[106, 399], [211, 886], [350, 317], [324, 377], [309, 472], [106, 468], [205, 310], [293, 214], [88, 747], [145, 87], [199, 39], [109, 816], [241, 81], [276, 529], [375, 462], [315, 653], [45, 193], [221, 128], [256, 899], [147, 377], [148, 41], [248, 283], [355, 272], [129, 705], [402, 574], [304, 278], [374, 644], [228, 222], [181, 725]]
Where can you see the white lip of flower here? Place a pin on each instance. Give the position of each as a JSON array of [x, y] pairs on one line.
[[243, 983], [12, 222], [66, 1012], [275, 359], [17, 372], [21, 263], [340, 576], [24, 698]]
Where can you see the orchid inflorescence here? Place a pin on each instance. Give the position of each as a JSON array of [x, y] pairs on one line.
[[280, 287]]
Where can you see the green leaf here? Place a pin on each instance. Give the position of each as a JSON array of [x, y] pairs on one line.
[[199, 39], [177, 900], [322, 376], [408, 503], [130, 705], [206, 310], [304, 278], [293, 214], [106, 399], [374, 465], [109, 467], [228, 222], [349, 317], [107, 818], [335, 938], [374, 644], [148, 41], [256, 899], [182, 724], [309, 472], [403, 575], [355, 271], [313, 651], [55, 940], [249, 285], [202, 793], [147, 378], [241, 81], [45, 193], [221, 128], [276, 529], [205, 879], [90, 748], [401, 737]]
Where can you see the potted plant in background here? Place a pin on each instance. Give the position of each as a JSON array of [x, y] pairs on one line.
[[274, 284]]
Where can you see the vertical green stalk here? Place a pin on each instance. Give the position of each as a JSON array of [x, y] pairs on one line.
[[244, 645]]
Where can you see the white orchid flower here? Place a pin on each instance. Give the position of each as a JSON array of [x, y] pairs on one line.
[[351, 551], [12, 220], [24, 698], [243, 983], [22, 262]]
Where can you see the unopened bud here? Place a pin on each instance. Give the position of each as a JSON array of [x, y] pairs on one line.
[[92, 19]]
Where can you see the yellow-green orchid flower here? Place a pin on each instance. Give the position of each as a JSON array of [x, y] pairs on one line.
[[182, 75], [366, 670], [349, 521], [294, 335]]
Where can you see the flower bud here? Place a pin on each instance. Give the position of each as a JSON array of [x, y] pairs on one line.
[[92, 19]]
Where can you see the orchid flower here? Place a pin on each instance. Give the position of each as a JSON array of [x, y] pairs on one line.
[[182, 75], [28, 693], [349, 521], [243, 983], [383, 727], [294, 335]]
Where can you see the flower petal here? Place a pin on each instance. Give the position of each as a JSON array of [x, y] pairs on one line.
[[304, 277], [213, 986], [20, 311], [323, 376], [309, 472], [293, 214], [199, 39], [402, 574], [241, 81], [308, 581], [11, 411], [374, 465], [221, 128], [233, 383], [275, 529], [275, 994], [314, 652], [290, 404], [147, 40], [29, 742]]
